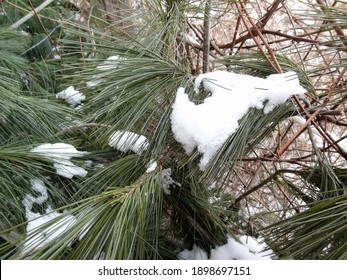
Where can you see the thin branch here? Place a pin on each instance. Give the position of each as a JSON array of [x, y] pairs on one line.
[[261, 184], [206, 42], [270, 11], [312, 117], [53, 43], [233, 42], [277, 66], [242, 9]]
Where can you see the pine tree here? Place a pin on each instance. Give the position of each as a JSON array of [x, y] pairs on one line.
[[134, 191]]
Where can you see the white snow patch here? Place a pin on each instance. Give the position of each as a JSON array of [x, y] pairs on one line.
[[126, 141], [49, 233], [60, 154], [208, 125], [248, 249], [109, 64], [93, 83], [213, 199], [29, 200], [152, 165], [36, 220], [71, 96], [195, 254], [167, 181]]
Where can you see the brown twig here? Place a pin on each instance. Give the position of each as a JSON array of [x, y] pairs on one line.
[[242, 10], [312, 117], [53, 43], [262, 184], [270, 11], [206, 39], [233, 42]]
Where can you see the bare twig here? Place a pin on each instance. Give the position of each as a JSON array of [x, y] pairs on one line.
[[257, 43], [43, 27], [262, 184], [270, 11], [312, 117], [206, 42]]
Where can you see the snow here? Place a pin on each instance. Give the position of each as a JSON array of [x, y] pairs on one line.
[[109, 64], [195, 254], [60, 154], [208, 125], [48, 234], [71, 96], [36, 220], [167, 181], [151, 166], [126, 141], [247, 249], [29, 200]]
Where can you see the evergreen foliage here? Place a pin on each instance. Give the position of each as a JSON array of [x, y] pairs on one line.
[[294, 196]]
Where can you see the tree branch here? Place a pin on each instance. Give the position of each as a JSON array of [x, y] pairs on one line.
[[261, 184], [207, 27]]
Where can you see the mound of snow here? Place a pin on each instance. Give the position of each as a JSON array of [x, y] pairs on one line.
[[207, 126], [247, 249], [126, 141], [71, 96], [60, 154]]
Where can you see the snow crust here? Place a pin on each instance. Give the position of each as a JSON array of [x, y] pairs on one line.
[[247, 249], [126, 141], [71, 96], [207, 126], [60, 154]]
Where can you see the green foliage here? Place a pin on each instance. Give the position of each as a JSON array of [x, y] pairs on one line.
[[120, 210], [316, 233]]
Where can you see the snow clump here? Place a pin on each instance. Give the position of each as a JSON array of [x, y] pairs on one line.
[[247, 249], [168, 182], [207, 126], [60, 154], [36, 220], [109, 64], [71, 96], [151, 166], [126, 141]]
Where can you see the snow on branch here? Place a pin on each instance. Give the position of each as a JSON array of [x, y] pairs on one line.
[[208, 125]]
